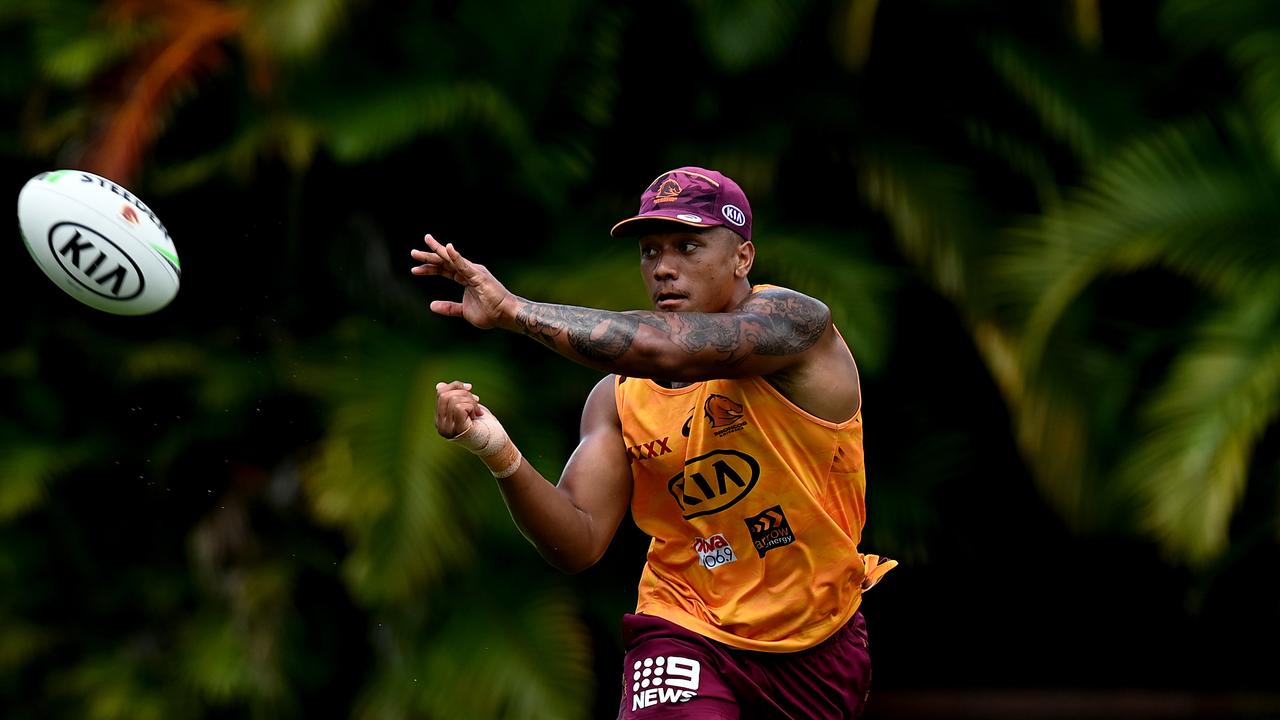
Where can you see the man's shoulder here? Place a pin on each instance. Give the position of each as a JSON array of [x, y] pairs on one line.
[[791, 321], [776, 298]]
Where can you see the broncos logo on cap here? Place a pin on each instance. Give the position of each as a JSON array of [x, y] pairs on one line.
[[668, 191]]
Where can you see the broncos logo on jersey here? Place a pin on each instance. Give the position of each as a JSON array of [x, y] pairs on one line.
[[722, 412]]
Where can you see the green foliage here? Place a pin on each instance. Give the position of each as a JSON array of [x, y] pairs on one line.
[[386, 478], [1201, 426], [294, 29], [201, 516], [1088, 117], [1247, 35], [748, 34], [1191, 200], [932, 207], [501, 646]]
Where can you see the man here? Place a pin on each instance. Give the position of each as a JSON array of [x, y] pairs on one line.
[[730, 424]]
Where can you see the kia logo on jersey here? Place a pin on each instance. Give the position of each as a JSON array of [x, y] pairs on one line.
[[713, 482]]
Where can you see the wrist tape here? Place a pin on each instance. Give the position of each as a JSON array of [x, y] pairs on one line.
[[489, 441]]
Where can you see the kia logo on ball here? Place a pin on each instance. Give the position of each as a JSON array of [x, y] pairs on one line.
[[94, 262]]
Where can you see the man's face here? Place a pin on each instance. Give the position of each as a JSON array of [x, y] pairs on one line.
[[692, 270]]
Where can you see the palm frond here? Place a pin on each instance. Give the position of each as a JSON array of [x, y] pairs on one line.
[[1187, 199], [293, 139], [1247, 33], [608, 279], [374, 123], [1202, 424], [748, 33], [229, 660], [933, 208], [383, 474], [292, 29], [506, 646], [1087, 116], [29, 464], [855, 30], [22, 641], [123, 684], [75, 62], [1024, 157], [196, 27]]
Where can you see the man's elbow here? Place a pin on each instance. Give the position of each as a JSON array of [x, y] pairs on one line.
[[569, 563], [658, 358]]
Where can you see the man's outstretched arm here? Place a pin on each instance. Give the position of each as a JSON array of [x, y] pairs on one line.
[[767, 334], [570, 524]]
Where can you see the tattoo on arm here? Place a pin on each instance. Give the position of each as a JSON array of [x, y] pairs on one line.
[[723, 333], [767, 324], [594, 334], [786, 324]]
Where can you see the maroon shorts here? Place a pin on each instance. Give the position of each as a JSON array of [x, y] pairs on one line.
[[671, 672]]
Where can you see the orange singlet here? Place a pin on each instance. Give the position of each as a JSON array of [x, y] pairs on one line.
[[755, 508]]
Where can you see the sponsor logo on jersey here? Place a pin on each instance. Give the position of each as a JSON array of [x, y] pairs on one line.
[[713, 482], [714, 551], [651, 449], [770, 530], [724, 414], [664, 679]]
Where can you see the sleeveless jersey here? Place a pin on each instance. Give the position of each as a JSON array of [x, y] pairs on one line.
[[755, 508]]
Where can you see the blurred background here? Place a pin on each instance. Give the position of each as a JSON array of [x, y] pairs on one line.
[[1048, 230]]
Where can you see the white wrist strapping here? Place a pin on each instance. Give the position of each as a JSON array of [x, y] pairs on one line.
[[489, 440]]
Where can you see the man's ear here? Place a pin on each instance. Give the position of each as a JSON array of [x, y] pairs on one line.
[[746, 258]]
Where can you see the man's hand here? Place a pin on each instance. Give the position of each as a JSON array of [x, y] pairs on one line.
[[462, 419], [456, 405], [483, 297]]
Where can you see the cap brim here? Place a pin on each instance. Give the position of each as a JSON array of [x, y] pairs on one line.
[[635, 225]]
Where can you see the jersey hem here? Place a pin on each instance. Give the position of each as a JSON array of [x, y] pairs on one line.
[[711, 632]]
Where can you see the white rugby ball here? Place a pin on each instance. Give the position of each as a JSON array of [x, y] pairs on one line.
[[98, 242]]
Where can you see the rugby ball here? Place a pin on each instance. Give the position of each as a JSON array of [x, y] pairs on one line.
[[98, 242]]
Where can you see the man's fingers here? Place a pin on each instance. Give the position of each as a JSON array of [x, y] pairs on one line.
[[434, 248], [447, 308], [458, 395], [443, 260], [456, 407], [457, 262]]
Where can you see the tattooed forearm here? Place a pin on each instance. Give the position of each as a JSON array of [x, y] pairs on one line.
[[607, 340], [534, 325], [767, 324], [595, 334]]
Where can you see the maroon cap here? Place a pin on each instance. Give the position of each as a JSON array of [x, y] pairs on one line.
[[692, 196]]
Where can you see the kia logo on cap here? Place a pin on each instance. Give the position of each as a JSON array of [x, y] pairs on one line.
[[734, 214]]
